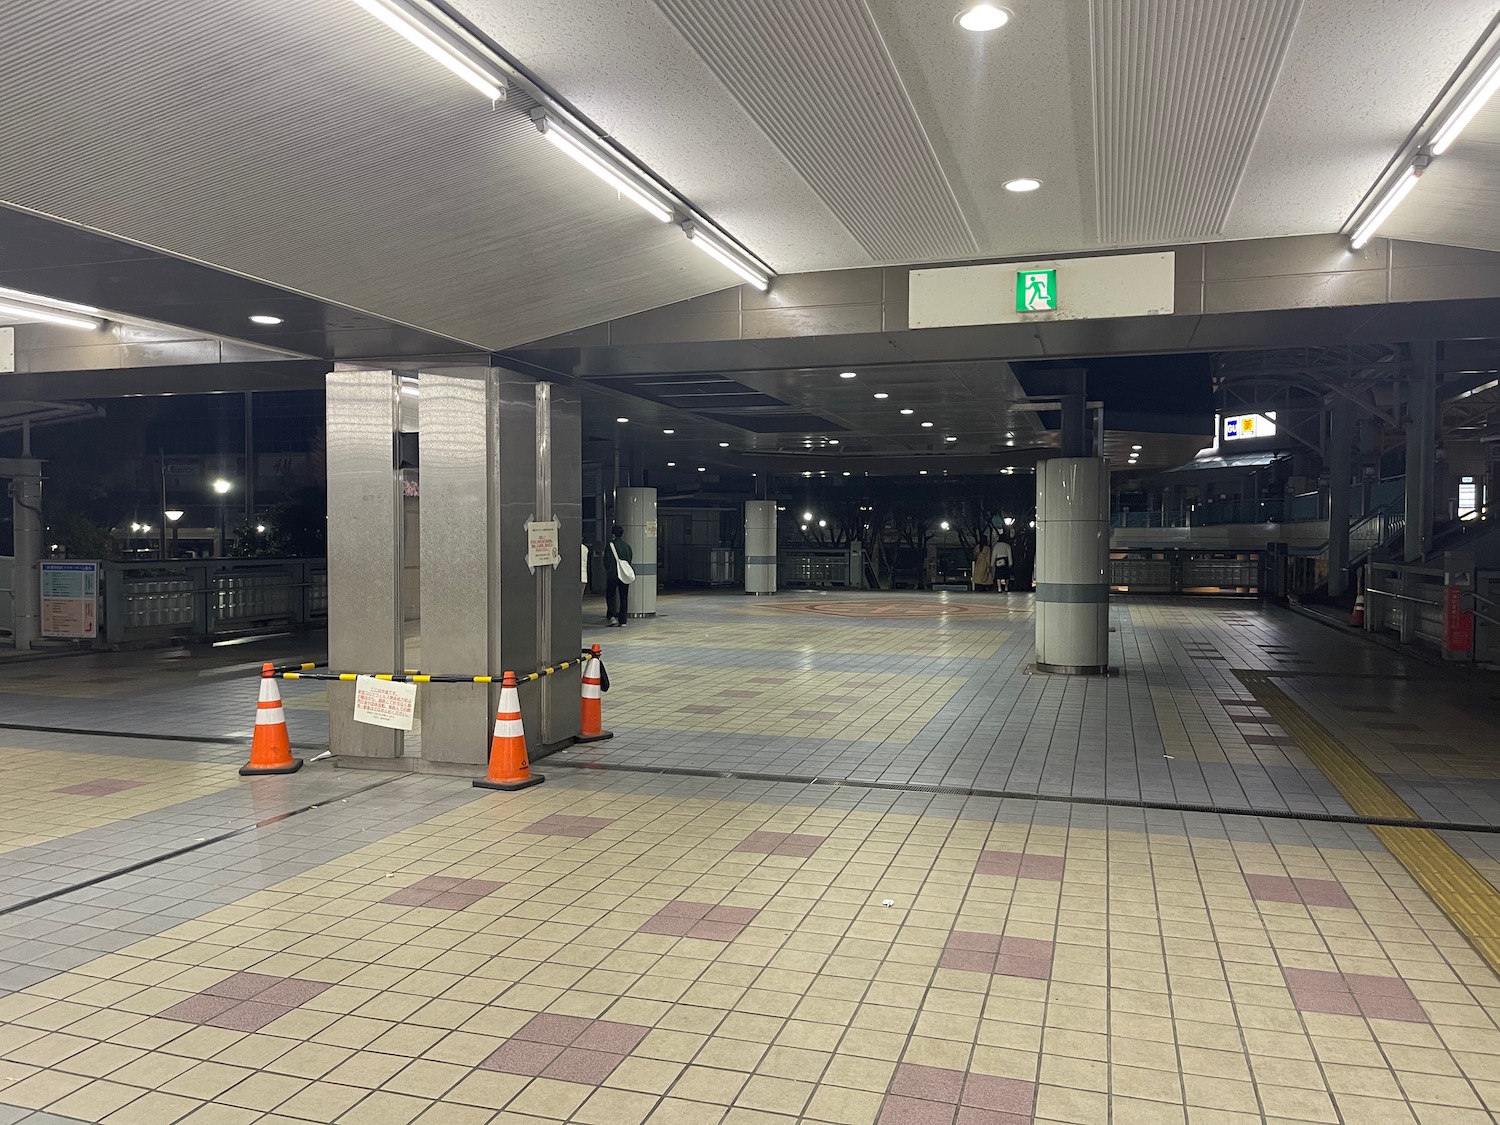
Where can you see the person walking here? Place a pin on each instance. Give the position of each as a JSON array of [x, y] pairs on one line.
[[616, 593]]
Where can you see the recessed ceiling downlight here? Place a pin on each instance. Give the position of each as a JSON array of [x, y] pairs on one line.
[[1022, 184], [983, 17]]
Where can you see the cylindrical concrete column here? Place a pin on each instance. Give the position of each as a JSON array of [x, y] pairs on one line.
[[635, 511], [760, 546], [1072, 561]]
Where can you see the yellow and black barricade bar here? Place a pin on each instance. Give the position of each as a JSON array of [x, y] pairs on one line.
[[411, 676]]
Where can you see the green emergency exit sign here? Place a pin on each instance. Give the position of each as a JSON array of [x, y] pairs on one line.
[[1036, 291]]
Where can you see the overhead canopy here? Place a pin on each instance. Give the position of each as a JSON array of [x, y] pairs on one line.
[[1219, 463]]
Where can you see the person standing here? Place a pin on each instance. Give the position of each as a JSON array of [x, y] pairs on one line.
[[1003, 559], [983, 573], [616, 593]]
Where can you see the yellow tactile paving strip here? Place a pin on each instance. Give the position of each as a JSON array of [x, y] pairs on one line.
[[1469, 899], [884, 706], [32, 811], [1165, 1005]]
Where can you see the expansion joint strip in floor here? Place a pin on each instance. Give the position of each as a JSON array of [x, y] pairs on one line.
[[1469, 900], [187, 849], [1410, 821]]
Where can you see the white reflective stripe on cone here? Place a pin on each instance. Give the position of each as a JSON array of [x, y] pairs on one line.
[[270, 717], [268, 692], [509, 728]]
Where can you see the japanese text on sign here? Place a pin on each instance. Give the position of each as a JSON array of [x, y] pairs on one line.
[[70, 599], [382, 703]]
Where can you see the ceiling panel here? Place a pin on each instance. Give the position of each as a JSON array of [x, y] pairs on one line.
[[1358, 76], [816, 77], [1457, 201], [307, 145], [1179, 92]]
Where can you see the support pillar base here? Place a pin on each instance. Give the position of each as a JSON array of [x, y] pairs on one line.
[[1076, 669]]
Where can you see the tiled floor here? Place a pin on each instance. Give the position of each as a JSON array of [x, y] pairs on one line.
[[631, 945]]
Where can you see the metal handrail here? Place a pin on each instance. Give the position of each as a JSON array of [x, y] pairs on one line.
[[1400, 597]]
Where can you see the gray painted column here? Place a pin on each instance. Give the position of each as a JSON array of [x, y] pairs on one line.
[[760, 546], [1072, 562], [365, 631], [1421, 448], [635, 511], [1340, 469], [458, 424], [26, 522]]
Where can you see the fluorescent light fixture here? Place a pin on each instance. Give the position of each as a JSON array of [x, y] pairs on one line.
[[671, 464], [1136, 448], [907, 410], [610, 168], [833, 441], [669, 431], [881, 394], [927, 425], [983, 17], [723, 445], [34, 307], [703, 468], [722, 253], [1382, 210], [1022, 184], [415, 22], [262, 318], [47, 316], [622, 419], [848, 375], [950, 439], [1465, 109]]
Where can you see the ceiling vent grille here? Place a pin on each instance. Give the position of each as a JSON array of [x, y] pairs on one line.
[[1179, 94], [816, 76]]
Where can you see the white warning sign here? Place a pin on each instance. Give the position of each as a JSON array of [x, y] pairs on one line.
[[383, 703]]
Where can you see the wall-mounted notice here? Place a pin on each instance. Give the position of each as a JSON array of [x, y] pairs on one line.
[[383, 703], [70, 599], [541, 544]]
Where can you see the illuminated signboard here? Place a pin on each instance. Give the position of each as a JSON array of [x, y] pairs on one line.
[[1243, 426]]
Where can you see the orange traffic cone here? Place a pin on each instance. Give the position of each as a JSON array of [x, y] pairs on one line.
[[270, 749], [1357, 618], [591, 728], [509, 767]]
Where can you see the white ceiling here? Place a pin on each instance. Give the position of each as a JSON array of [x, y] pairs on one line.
[[302, 143], [1457, 200], [840, 133]]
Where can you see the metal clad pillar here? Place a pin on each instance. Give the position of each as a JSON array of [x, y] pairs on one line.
[[1421, 448], [760, 546], [1340, 487], [1072, 561], [26, 523], [563, 636], [513, 587], [364, 550], [635, 511], [458, 424]]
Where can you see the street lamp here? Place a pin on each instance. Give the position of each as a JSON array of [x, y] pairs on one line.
[[171, 515], [222, 487]]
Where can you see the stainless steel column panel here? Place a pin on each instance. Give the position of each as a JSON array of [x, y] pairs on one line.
[[1072, 561], [635, 511], [1340, 489], [1421, 451], [364, 551], [457, 454], [760, 546], [565, 634], [513, 588]]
